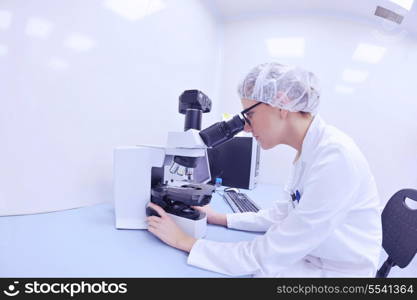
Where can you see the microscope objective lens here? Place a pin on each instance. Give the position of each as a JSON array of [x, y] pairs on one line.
[[181, 171]]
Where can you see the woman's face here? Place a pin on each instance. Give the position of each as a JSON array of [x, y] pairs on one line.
[[266, 125]]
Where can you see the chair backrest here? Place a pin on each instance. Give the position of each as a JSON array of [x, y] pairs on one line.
[[399, 228]]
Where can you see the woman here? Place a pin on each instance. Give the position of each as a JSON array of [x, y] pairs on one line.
[[331, 225]]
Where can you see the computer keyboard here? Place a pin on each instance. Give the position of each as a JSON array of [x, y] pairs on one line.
[[239, 202]]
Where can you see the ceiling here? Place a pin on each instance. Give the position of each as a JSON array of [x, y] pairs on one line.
[[232, 10]]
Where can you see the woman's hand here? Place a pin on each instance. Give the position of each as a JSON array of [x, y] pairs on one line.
[[168, 231], [213, 217]]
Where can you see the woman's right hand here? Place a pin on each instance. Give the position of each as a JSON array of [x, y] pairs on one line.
[[213, 217]]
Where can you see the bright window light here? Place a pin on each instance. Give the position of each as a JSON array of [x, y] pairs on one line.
[[286, 47], [369, 53], [3, 50], [39, 28], [354, 76], [407, 4], [134, 9], [5, 19], [79, 42], [342, 89]]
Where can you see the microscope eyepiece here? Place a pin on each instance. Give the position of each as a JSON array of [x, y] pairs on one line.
[[220, 132]]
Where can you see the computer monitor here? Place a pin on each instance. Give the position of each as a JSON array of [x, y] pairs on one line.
[[236, 162]]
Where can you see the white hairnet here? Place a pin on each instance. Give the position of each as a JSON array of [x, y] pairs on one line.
[[282, 86]]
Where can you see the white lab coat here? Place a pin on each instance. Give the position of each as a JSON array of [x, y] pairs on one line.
[[334, 230]]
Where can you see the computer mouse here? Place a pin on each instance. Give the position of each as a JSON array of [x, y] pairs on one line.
[[236, 190]]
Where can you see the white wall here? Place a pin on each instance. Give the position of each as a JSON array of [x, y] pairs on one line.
[[378, 113], [79, 78]]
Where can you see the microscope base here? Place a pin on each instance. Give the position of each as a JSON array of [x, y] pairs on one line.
[[195, 228]]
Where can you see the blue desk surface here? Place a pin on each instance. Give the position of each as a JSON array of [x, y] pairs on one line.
[[84, 242]]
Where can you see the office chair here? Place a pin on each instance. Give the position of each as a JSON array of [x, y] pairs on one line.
[[399, 231]]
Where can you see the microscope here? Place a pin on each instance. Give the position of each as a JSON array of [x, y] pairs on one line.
[[174, 177]]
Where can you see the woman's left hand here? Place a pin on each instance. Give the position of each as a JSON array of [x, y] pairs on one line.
[[168, 231]]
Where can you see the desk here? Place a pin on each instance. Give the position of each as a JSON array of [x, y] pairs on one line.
[[84, 242]]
